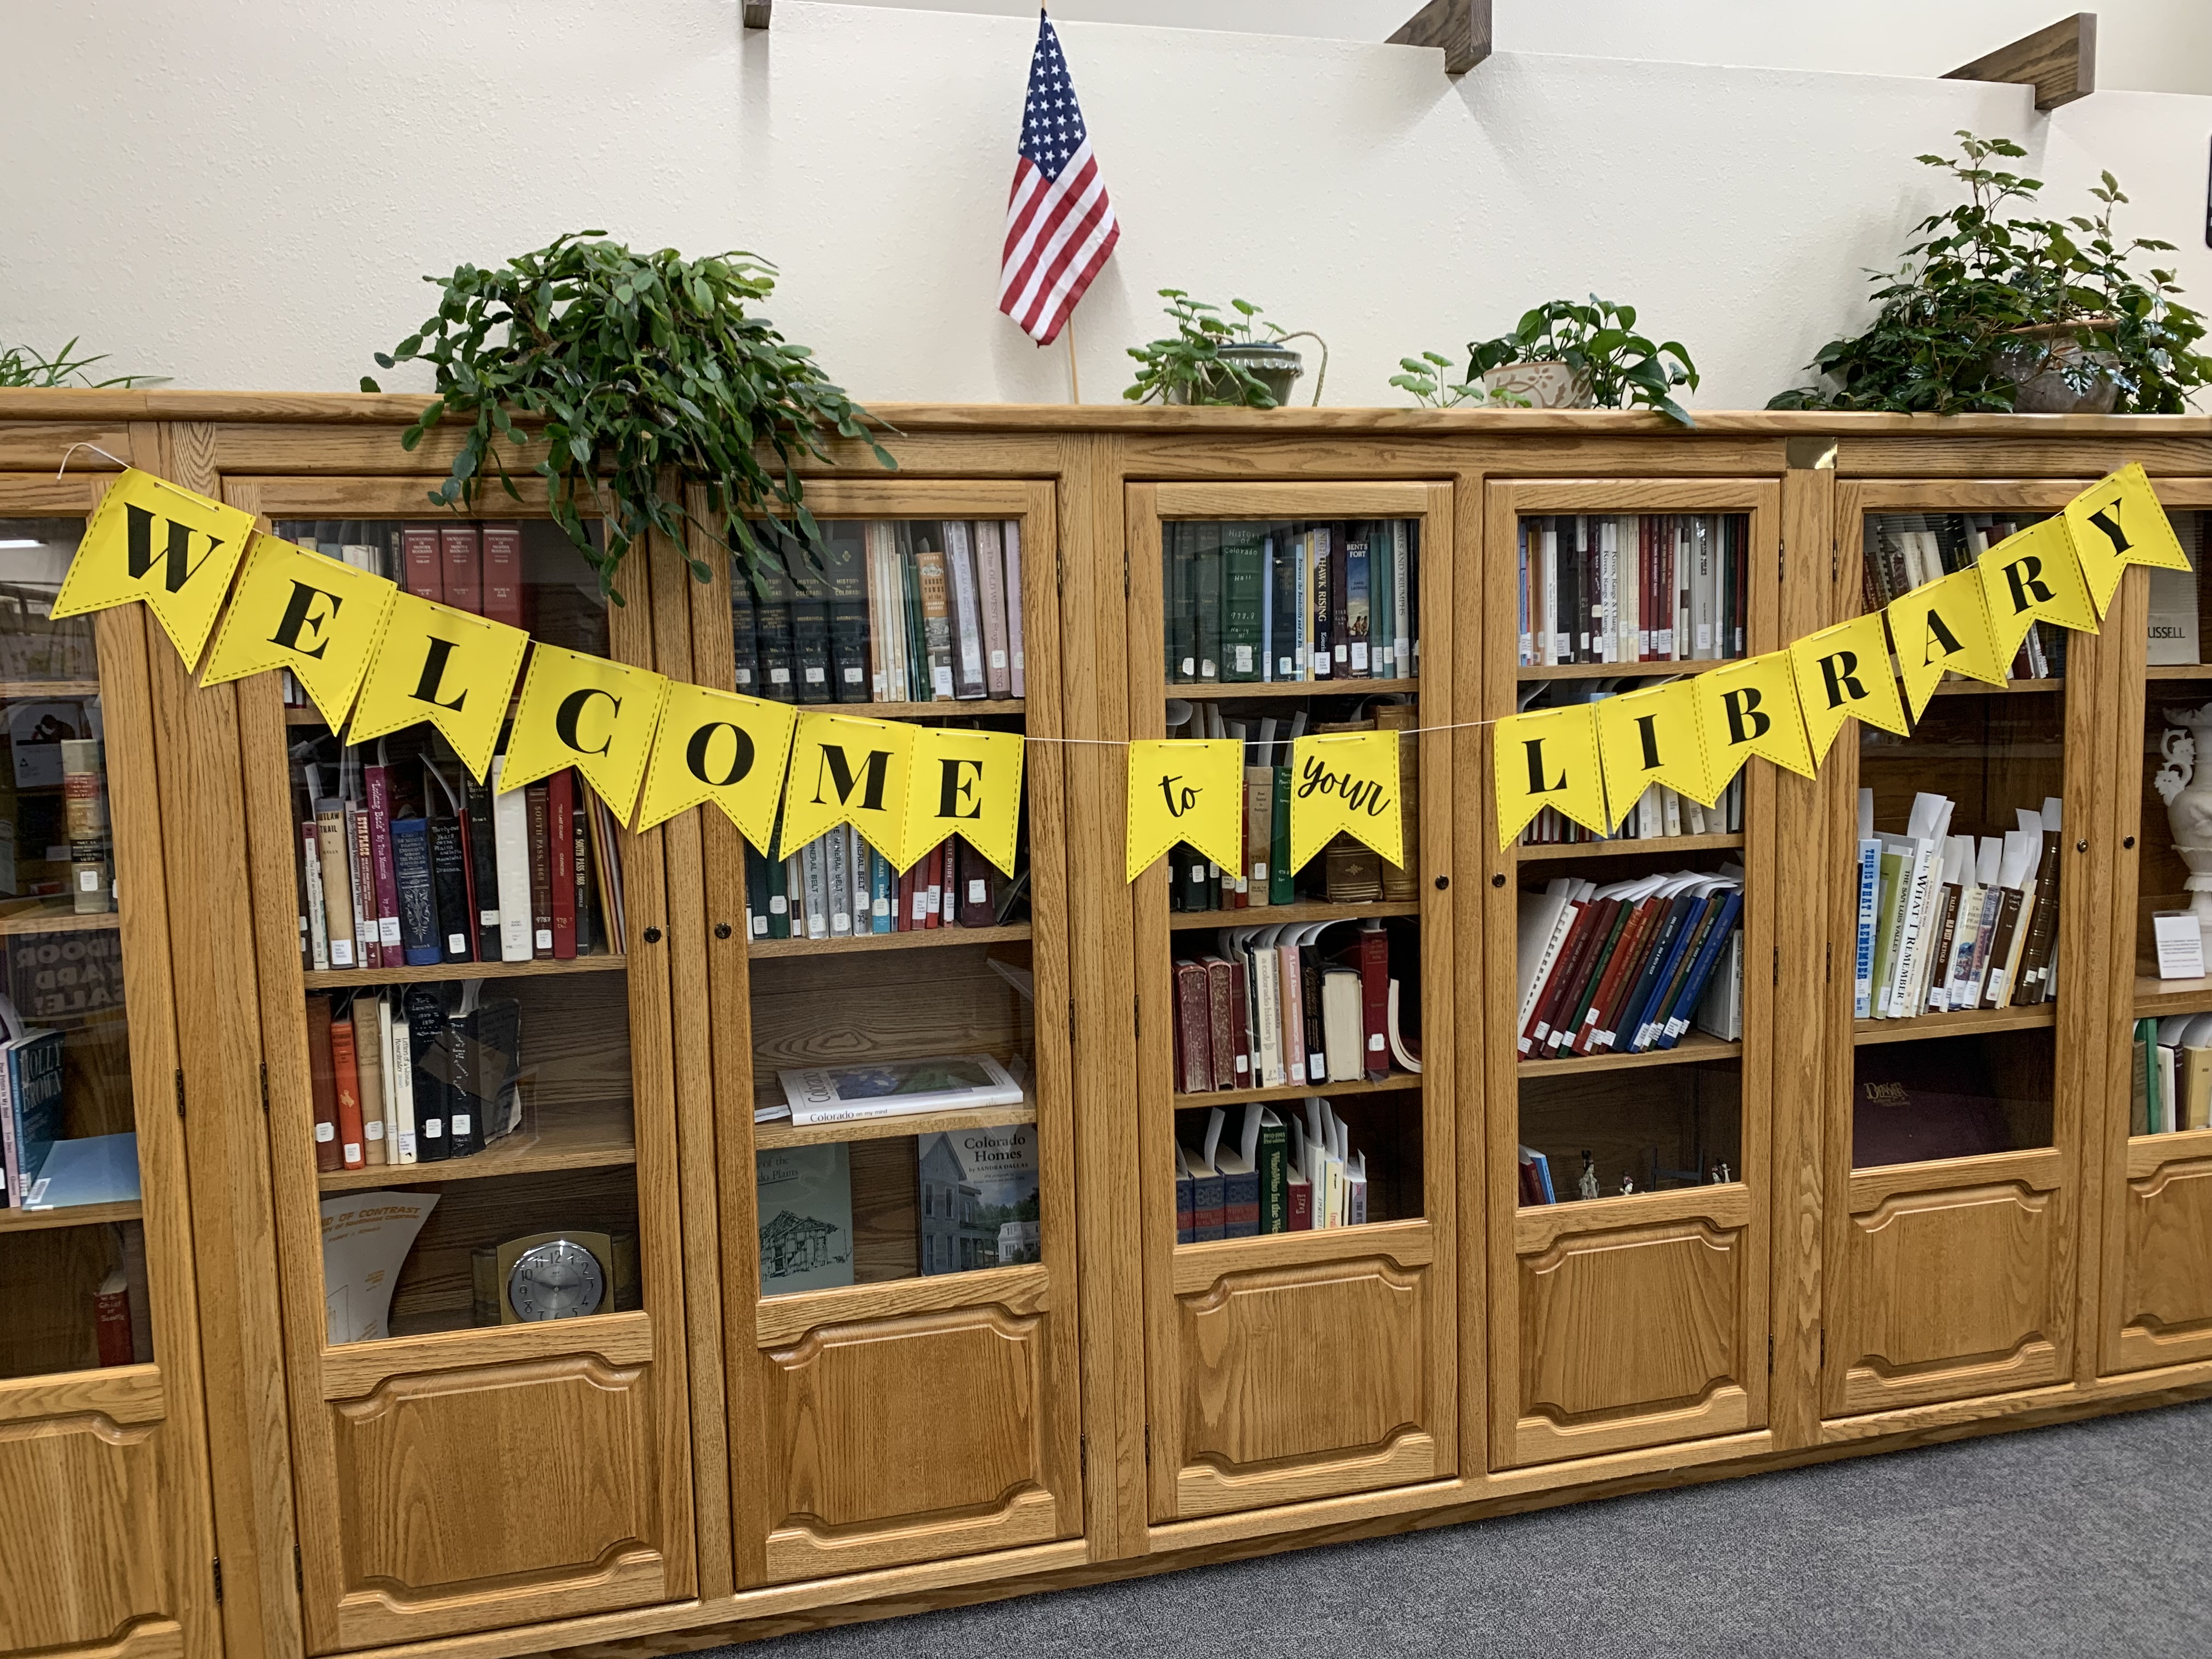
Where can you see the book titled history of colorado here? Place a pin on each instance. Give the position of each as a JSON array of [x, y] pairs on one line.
[[895, 1088]]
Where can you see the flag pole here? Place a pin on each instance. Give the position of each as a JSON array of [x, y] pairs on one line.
[[1074, 381]]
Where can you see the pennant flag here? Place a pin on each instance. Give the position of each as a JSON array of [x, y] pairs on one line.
[[149, 539], [717, 746], [1549, 758], [966, 783], [1652, 736], [846, 769], [1186, 789], [317, 617], [2033, 577], [1944, 625], [1843, 674], [1347, 781], [437, 664], [583, 711], [2116, 522], [1750, 708]]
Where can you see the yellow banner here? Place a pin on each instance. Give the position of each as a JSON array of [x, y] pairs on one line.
[[1750, 708], [585, 711], [2034, 577], [1945, 625], [1843, 673], [717, 747], [969, 784], [317, 616], [149, 539], [437, 664], [2116, 522], [1186, 789], [1549, 758], [846, 769], [1652, 736], [1347, 781]]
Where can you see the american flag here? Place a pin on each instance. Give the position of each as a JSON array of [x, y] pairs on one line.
[[1060, 226]]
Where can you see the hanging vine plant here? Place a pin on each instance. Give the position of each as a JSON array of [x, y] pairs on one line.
[[643, 368]]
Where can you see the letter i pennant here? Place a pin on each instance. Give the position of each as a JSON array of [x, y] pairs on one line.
[[317, 616], [1549, 758], [149, 539], [1188, 790], [442, 665]]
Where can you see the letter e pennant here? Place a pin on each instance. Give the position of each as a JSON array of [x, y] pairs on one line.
[[317, 616]]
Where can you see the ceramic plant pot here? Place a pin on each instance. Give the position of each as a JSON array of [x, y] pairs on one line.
[[2053, 374], [1550, 385]]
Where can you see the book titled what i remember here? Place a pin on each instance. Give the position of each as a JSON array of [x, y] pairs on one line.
[[804, 1197]]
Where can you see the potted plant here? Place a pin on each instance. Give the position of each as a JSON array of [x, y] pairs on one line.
[[648, 374], [1211, 360], [1423, 377], [1992, 310], [1567, 354], [22, 366]]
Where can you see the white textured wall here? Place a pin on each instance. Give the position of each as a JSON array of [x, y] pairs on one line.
[[245, 195]]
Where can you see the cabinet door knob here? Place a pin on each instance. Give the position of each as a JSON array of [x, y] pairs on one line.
[[1498, 880], [2130, 843], [721, 930], [2080, 845], [653, 936], [1443, 883]]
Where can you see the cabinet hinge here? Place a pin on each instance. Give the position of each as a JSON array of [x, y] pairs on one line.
[[1083, 1457], [1777, 964], [1148, 1445], [217, 1564], [264, 1088], [1071, 1027], [1780, 550], [180, 1091], [1125, 572], [1828, 962], [299, 1577]]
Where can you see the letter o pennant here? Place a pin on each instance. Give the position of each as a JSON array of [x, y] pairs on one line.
[[717, 746], [585, 711]]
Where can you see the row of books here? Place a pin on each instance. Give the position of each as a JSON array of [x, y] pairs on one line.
[[476, 568], [1289, 1172], [1274, 1007], [1905, 551], [2170, 1079], [838, 886], [1347, 872], [1633, 587], [31, 1106], [1659, 814], [976, 1206], [1629, 966], [411, 863], [1946, 922], [413, 1074], [1264, 603], [881, 610]]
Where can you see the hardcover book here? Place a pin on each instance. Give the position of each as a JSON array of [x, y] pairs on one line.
[[804, 1199], [978, 1198], [839, 1094]]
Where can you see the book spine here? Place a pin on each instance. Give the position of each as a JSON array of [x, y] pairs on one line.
[[560, 849], [426, 1066], [111, 1318], [745, 649], [399, 1068], [84, 816], [502, 573], [1010, 536], [1193, 1028], [424, 566], [937, 623], [369, 1066], [345, 1077], [322, 1085], [538, 827], [1374, 999], [462, 571], [452, 918], [511, 851], [311, 883], [972, 678], [368, 916], [465, 1087], [417, 921]]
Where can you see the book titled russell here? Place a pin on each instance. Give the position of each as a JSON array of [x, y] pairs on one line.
[[897, 1088]]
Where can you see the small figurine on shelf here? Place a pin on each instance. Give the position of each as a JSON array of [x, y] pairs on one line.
[[1721, 1177], [1627, 1185], [1589, 1182]]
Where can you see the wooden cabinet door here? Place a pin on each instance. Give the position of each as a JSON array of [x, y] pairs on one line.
[[106, 1529], [1283, 1366], [457, 1470]]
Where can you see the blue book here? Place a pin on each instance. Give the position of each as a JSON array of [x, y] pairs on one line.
[[1863, 957], [418, 904], [31, 1113], [1677, 1016], [1651, 1018], [1657, 961], [883, 891]]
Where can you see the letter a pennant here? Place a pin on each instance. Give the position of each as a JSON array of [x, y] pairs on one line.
[[2033, 577], [1347, 781], [149, 539], [317, 616], [1189, 790], [969, 784], [437, 664], [1549, 758], [1843, 673], [2116, 522], [845, 769], [1652, 736], [585, 711], [1750, 708], [717, 746], [1944, 625]]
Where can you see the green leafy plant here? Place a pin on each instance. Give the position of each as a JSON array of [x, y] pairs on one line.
[[1423, 377], [1597, 341], [648, 375], [1987, 298], [1188, 367], [22, 366]]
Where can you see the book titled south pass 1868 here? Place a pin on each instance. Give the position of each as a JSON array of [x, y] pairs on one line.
[[895, 1088]]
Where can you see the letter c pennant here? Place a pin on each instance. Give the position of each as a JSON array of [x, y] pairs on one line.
[[585, 711]]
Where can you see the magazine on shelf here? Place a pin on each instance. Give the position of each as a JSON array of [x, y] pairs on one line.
[[896, 1088]]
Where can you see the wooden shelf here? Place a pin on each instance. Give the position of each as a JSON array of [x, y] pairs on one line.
[[1267, 915], [1965, 1022], [1983, 688], [1695, 1046], [49, 688], [1546, 853], [907, 941], [781, 1132], [71, 1215], [1606, 670], [1297, 1092], [59, 922], [570, 1141], [2179, 671], [1330, 688], [340, 978], [2156, 996]]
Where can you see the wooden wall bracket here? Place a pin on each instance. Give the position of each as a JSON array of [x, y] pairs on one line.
[[2059, 62], [1461, 28], [756, 13]]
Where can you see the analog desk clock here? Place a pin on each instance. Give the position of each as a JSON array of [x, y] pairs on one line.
[[568, 1274]]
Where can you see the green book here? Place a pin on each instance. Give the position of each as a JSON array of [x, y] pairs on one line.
[[1206, 598], [1273, 1166], [1182, 605], [1282, 887], [1382, 655], [1243, 570]]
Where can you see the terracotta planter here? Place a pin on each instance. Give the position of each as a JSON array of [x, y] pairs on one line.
[[1546, 385]]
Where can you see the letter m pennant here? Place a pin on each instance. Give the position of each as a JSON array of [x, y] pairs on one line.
[[151, 540]]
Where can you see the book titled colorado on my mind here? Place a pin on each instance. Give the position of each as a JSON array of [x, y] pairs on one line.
[[839, 1094]]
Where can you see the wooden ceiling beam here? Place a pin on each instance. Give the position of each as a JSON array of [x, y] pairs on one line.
[[2059, 62], [1461, 28]]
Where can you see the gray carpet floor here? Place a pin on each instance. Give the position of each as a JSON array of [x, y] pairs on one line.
[[2088, 1540]]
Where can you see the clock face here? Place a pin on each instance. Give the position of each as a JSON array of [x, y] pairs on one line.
[[558, 1279]]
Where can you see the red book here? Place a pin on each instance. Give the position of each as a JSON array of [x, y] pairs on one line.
[[368, 923], [904, 919], [461, 563], [1297, 1206], [560, 815], [345, 1078], [322, 1085], [1193, 1025], [378, 781], [933, 887], [1592, 923], [1228, 1063], [422, 565], [1627, 956], [470, 930], [111, 1318], [536, 805], [979, 889], [1374, 965], [502, 573]]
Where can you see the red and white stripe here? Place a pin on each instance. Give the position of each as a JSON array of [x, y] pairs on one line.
[[1059, 233]]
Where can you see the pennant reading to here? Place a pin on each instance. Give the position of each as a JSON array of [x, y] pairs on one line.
[[969, 784], [150, 540], [2033, 577], [1750, 708], [1843, 673], [1186, 789], [717, 746], [317, 617], [1348, 781], [1549, 758], [1944, 625], [585, 711], [1652, 736], [845, 769], [2116, 522], [437, 664]]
